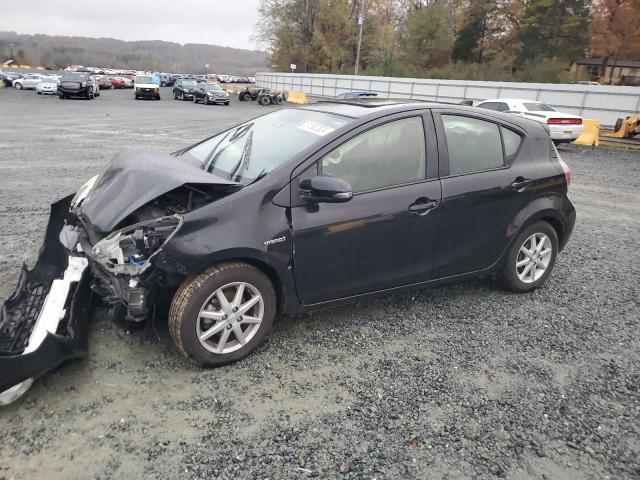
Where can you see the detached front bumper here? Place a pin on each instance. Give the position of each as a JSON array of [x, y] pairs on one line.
[[45, 321]]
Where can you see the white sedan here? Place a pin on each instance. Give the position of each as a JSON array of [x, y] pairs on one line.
[[563, 127], [29, 81]]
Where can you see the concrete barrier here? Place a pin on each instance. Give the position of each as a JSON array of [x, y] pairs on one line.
[[297, 97], [591, 134]]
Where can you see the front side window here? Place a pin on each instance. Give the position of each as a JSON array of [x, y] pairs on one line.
[[473, 145], [258, 146], [391, 154]]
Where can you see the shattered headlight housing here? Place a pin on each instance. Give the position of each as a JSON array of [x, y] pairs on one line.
[[131, 249]]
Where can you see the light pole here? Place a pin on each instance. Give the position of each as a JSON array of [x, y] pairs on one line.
[[360, 22]]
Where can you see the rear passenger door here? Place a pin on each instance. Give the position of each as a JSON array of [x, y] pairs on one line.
[[485, 178]]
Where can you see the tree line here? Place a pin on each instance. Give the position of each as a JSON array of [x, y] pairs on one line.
[[523, 40]]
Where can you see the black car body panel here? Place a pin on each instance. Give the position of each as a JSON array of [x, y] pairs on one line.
[[436, 229]]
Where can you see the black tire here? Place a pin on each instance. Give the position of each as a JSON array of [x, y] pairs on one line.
[[618, 124], [163, 84], [509, 275], [175, 95], [87, 95], [195, 99], [206, 100], [182, 97], [192, 295], [241, 97], [39, 93], [264, 101], [60, 96], [158, 97], [226, 104], [278, 100], [18, 86]]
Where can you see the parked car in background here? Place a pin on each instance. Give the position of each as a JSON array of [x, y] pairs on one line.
[[9, 77], [208, 93], [77, 84], [563, 127], [184, 88], [117, 82], [147, 86], [103, 81], [128, 80], [48, 86], [355, 95], [28, 82]]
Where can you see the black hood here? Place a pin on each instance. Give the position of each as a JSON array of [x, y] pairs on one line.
[[135, 177]]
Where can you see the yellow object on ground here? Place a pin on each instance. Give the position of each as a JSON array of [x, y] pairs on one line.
[[629, 128], [590, 134], [297, 97]]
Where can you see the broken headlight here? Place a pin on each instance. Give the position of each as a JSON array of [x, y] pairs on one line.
[[135, 245]]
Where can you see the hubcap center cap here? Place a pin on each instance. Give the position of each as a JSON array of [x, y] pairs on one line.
[[232, 318]]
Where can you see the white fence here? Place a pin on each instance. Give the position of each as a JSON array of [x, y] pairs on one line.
[[601, 102]]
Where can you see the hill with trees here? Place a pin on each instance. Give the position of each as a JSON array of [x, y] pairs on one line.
[[521, 40], [144, 55]]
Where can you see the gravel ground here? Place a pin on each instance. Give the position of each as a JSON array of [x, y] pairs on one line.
[[460, 381]]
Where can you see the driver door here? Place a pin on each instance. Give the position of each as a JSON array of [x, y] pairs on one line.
[[385, 235]]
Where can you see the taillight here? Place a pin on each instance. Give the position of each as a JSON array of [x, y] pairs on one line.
[[565, 168], [564, 121]]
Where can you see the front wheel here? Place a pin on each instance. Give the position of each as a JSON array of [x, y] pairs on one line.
[[264, 101], [18, 86], [223, 314], [531, 258]]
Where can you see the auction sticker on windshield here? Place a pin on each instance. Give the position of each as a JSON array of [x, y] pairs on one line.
[[316, 128]]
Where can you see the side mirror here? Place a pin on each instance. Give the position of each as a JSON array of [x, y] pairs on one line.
[[325, 189]]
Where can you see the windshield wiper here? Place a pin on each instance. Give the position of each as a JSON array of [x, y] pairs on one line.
[[244, 158]]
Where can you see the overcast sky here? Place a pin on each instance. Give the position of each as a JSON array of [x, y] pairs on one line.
[[218, 22]]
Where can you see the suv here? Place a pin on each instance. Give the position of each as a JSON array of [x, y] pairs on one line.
[[360, 199], [78, 84], [183, 89]]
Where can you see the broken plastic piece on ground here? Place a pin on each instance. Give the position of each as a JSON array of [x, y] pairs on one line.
[[11, 395], [44, 322]]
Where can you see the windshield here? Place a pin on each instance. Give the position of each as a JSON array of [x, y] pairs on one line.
[[75, 76], [212, 87], [189, 83], [145, 79], [245, 152], [538, 107]]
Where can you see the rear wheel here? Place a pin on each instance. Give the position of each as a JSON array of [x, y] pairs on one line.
[[221, 315], [618, 124], [531, 258]]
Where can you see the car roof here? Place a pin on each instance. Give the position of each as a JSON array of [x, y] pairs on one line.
[[369, 108], [515, 100]]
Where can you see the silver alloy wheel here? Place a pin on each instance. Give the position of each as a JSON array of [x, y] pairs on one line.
[[230, 317], [533, 258]]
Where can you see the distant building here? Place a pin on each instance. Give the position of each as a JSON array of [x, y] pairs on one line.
[[616, 72]]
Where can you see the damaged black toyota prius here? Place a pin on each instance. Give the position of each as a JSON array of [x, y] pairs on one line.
[[298, 209]]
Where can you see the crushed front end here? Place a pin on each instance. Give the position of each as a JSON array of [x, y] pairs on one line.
[[104, 244]]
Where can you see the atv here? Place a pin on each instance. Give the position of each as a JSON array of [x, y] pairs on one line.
[[267, 96], [248, 93]]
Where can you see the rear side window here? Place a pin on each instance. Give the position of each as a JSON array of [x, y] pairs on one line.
[[473, 145], [497, 106], [512, 142], [388, 155]]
